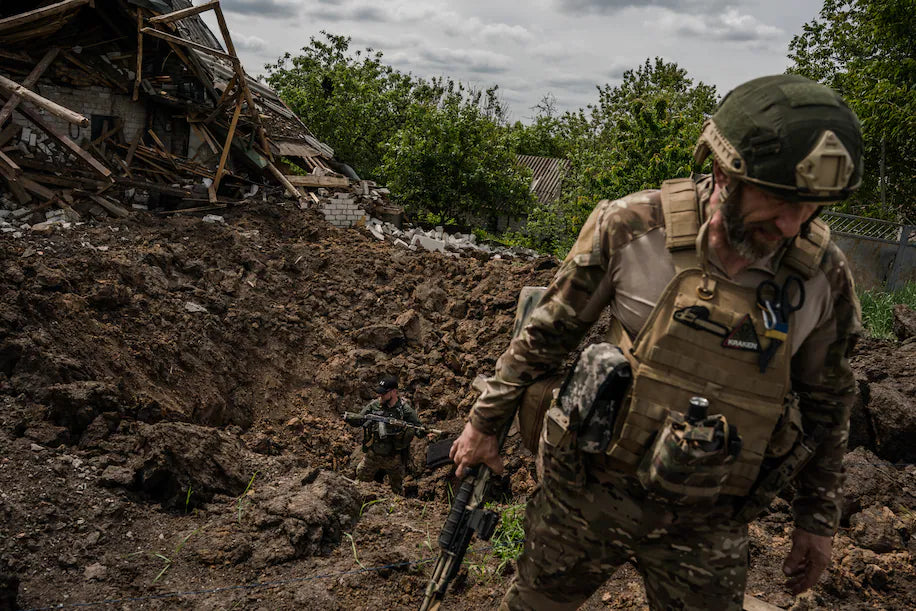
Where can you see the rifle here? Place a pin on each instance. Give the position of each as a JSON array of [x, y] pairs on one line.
[[466, 517], [392, 421]]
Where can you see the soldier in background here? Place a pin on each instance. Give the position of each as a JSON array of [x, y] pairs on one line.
[[386, 447], [729, 299]]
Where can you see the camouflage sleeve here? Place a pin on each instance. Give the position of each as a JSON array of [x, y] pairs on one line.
[[573, 301], [822, 377]]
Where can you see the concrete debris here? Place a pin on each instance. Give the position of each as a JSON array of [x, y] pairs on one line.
[[437, 240], [214, 218]]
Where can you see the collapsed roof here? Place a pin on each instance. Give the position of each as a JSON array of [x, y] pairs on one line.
[[99, 95]]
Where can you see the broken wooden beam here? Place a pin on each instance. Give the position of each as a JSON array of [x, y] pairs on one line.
[[11, 165], [52, 107], [319, 181], [29, 81], [111, 207], [188, 43], [39, 14], [225, 155], [290, 188], [181, 14]]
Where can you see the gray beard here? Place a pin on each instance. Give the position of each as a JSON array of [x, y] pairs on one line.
[[739, 238]]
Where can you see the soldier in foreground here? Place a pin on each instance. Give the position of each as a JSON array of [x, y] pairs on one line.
[[737, 314], [386, 445]]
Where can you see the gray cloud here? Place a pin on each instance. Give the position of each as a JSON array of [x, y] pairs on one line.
[[453, 61], [247, 43], [264, 8], [728, 26], [589, 7]]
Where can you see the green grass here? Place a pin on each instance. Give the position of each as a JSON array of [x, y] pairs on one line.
[[878, 305], [504, 547]]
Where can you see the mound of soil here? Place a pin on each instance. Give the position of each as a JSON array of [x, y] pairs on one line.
[[171, 395]]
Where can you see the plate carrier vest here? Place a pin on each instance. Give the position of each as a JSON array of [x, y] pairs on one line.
[[673, 361]]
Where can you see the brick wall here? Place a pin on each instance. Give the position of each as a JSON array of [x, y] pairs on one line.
[[343, 211], [90, 101]]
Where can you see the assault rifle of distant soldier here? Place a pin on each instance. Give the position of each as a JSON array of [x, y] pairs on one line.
[[354, 417]]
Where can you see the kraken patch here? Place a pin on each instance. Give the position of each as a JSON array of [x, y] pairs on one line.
[[743, 336], [697, 317]]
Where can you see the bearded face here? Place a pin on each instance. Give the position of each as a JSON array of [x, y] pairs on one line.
[[753, 240]]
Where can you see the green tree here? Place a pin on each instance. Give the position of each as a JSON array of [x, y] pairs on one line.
[[866, 50], [453, 158], [639, 134], [546, 136], [351, 101]]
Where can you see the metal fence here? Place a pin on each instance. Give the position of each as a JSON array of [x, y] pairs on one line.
[[881, 253]]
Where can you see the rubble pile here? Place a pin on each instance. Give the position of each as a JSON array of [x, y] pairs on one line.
[[109, 107], [437, 240]]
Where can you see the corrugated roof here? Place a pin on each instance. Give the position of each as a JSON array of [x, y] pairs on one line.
[[547, 175]]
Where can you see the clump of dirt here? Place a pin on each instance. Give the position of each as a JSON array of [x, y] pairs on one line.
[[170, 402]]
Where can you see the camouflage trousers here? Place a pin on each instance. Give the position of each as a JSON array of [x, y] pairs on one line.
[[393, 466], [583, 522]]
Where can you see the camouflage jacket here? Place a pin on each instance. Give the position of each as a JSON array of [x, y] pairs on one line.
[[620, 261], [395, 439]]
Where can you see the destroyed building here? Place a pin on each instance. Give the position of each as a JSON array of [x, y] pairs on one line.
[[113, 104]]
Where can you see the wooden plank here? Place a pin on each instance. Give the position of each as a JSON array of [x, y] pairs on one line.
[[9, 132], [752, 603], [29, 81], [225, 155], [187, 43], [319, 181], [15, 56], [178, 15], [139, 75], [133, 148], [110, 206], [38, 120], [290, 188], [11, 165], [21, 194], [52, 107], [165, 152], [10, 23]]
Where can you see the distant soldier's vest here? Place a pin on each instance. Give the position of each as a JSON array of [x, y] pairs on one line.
[[702, 339]]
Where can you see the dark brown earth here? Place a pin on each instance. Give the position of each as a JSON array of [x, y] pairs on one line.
[[170, 431]]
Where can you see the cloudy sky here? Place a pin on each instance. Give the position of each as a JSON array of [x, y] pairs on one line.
[[534, 47]]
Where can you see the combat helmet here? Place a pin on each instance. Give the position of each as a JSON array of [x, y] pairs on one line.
[[789, 135]]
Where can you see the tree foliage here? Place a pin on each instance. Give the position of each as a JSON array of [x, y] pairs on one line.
[[866, 50], [439, 147], [352, 102], [639, 134], [453, 156]]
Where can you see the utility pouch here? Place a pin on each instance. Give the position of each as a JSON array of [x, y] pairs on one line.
[[689, 460], [383, 430], [788, 430], [588, 401]]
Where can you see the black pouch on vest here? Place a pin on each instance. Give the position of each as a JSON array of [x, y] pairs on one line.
[[689, 459]]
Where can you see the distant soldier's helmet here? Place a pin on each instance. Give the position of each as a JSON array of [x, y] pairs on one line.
[[789, 135]]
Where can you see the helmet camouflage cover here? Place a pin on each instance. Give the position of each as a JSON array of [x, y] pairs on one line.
[[789, 135]]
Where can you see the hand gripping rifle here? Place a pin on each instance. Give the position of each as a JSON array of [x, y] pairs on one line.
[[466, 517], [354, 417]]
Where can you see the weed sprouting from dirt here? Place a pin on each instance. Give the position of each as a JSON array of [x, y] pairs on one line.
[[187, 500], [241, 499], [353, 546], [504, 547], [169, 560]]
